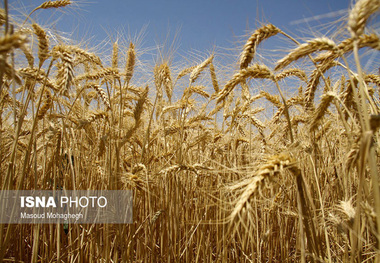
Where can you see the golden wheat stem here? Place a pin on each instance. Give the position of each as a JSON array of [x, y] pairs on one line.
[[286, 110], [372, 161]]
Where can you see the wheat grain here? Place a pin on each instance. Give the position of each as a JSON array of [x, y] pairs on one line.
[[371, 78], [347, 45], [200, 90], [140, 106], [264, 175], [245, 91], [185, 71]]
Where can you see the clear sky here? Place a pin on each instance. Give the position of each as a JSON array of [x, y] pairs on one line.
[[196, 27], [201, 23]]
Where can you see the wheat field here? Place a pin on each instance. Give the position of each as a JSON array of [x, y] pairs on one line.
[[245, 163]]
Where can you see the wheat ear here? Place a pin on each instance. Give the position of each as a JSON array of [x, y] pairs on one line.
[[43, 44], [28, 54], [321, 110], [359, 15], [102, 94], [213, 78], [255, 39], [10, 42], [265, 174], [2, 16], [198, 69], [46, 106], [130, 65], [314, 81], [65, 75], [292, 72], [48, 5], [305, 49], [115, 55], [185, 71], [255, 71]]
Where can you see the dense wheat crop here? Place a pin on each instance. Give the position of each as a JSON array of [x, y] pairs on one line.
[[251, 163]]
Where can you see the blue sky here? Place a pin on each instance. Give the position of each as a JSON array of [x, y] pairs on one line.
[[201, 24], [195, 27]]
